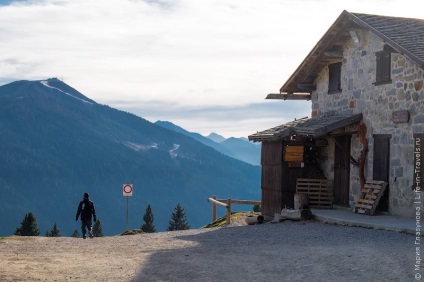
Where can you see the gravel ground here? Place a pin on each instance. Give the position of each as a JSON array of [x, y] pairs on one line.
[[287, 251]]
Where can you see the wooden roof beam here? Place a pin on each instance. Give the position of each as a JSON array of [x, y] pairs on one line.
[[286, 96], [334, 54], [306, 86]]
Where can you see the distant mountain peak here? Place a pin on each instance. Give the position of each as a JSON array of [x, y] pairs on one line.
[[238, 148], [216, 137]]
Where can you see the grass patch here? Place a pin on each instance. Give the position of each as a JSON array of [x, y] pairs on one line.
[[132, 232], [222, 221]]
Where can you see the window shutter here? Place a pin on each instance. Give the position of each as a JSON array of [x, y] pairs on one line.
[[334, 79], [383, 66], [386, 66], [337, 76], [379, 67], [418, 170]]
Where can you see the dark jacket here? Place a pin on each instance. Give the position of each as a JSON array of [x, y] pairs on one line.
[[86, 209]]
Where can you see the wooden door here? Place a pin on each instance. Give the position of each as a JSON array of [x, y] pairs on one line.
[[288, 184], [272, 158], [380, 168], [342, 171]]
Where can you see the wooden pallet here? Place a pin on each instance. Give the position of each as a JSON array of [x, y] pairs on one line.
[[370, 196], [320, 194]]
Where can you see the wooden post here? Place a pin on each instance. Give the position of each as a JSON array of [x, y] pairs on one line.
[[300, 200], [228, 211], [214, 210], [362, 134]]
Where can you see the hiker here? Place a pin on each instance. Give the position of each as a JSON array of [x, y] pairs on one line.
[[86, 209]]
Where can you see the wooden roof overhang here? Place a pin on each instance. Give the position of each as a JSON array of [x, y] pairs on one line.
[[403, 35], [326, 51], [314, 127]]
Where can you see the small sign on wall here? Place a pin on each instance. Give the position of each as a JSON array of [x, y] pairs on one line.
[[400, 116], [293, 153]]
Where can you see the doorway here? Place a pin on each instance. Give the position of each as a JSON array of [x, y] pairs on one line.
[[342, 170]]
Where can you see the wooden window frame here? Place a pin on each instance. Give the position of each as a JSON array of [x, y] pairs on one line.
[[383, 67], [335, 78]]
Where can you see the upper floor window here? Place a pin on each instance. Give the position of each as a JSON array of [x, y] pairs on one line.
[[334, 78], [383, 70]]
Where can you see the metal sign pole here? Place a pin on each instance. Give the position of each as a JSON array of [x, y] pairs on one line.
[[127, 190], [127, 215]]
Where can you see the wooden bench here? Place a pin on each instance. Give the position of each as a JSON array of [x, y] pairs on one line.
[[319, 192]]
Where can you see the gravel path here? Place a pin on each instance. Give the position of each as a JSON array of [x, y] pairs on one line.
[[287, 251]]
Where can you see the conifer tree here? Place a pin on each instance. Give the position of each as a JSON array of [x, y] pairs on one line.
[[54, 232], [178, 220], [75, 234], [97, 228], [148, 225], [28, 226]]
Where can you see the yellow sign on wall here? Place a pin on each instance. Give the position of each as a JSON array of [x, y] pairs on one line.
[[293, 153]]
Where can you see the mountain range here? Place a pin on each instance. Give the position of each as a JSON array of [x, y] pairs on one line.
[[238, 148], [56, 144]]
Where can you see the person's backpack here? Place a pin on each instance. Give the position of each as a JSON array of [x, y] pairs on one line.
[[86, 209]]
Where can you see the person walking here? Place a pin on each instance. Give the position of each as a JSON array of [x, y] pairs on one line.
[[86, 210]]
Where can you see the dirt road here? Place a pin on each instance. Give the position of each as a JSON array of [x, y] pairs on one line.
[[287, 251]]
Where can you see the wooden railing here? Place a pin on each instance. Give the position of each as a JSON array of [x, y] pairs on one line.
[[227, 204]]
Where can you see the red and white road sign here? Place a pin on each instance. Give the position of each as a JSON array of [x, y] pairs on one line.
[[127, 189]]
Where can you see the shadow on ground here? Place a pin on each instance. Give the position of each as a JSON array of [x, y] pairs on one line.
[[288, 251]]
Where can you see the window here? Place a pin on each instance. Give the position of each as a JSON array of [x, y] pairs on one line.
[[334, 79], [382, 75]]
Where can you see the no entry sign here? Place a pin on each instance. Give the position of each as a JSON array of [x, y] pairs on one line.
[[127, 189]]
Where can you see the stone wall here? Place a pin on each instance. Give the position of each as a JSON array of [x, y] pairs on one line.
[[376, 103]]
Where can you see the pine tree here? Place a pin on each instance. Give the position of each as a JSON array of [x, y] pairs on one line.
[[75, 234], [28, 226], [97, 228], [148, 225], [54, 232], [178, 220]]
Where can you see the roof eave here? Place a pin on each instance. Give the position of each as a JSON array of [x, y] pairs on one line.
[[307, 66], [324, 38], [301, 127]]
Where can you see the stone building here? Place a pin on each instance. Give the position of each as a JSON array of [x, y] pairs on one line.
[[366, 71]]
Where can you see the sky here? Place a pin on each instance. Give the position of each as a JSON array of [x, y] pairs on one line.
[[205, 65]]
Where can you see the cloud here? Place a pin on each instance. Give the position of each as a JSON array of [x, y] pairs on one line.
[[209, 54], [192, 50]]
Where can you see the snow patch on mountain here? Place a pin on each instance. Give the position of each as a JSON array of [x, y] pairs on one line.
[[140, 147], [45, 83], [173, 151]]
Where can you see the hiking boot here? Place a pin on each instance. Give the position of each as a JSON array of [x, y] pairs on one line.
[[84, 237]]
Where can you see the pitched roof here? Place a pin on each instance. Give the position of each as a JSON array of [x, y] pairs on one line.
[[404, 35], [315, 127]]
